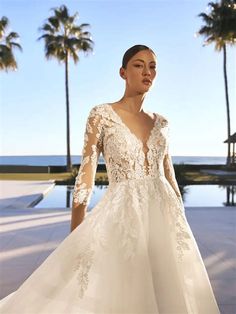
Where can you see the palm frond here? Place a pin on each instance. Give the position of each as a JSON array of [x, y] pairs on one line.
[[47, 28], [16, 45], [54, 22], [12, 35], [206, 18], [219, 23], [7, 59], [84, 25], [4, 22], [63, 37], [205, 30]]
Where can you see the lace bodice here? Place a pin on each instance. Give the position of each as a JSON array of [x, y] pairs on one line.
[[125, 155]]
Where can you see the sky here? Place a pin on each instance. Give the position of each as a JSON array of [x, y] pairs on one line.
[[188, 90]]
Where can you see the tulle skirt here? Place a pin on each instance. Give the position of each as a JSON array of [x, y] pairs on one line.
[[134, 253]]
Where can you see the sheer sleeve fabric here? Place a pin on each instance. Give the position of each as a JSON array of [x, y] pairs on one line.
[[84, 181], [170, 171]]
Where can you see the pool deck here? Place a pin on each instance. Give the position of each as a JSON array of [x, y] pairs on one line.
[[23, 194], [28, 235]]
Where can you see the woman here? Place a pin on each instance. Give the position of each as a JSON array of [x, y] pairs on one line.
[[134, 253]]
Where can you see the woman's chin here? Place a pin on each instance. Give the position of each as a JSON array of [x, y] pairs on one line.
[[145, 89]]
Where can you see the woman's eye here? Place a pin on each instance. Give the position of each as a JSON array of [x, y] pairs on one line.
[[140, 65]]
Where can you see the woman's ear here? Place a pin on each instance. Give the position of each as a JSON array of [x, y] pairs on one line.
[[122, 73]]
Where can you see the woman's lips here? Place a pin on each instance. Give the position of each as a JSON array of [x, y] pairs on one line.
[[147, 82]]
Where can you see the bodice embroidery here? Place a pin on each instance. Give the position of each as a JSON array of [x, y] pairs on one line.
[[144, 156]]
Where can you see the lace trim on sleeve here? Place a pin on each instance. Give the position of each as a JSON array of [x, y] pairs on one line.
[[91, 150]]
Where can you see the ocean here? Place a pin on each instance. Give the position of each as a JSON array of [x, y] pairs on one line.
[[60, 160]]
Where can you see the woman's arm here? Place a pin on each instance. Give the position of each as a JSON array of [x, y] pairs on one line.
[[170, 173], [85, 179], [170, 176], [168, 165]]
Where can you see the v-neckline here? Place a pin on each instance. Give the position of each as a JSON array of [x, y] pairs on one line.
[[132, 133]]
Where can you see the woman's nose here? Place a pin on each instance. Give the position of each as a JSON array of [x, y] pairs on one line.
[[146, 70]]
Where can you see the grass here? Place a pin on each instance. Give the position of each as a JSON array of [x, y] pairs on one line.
[[35, 176], [192, 177], [63, 176]]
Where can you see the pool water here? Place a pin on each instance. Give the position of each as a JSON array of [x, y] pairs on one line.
[[194, 195]]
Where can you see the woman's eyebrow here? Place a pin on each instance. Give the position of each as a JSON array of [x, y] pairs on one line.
[[143, 60]]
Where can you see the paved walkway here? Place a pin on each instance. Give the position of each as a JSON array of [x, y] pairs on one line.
[[29, 235]]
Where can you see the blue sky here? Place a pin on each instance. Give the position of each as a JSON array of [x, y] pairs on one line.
[[189, 87]]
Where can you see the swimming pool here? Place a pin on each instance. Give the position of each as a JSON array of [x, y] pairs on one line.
[[194, 195]]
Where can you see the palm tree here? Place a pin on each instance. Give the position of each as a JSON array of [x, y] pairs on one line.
[[7, 59], [63, 39], [220, 29]]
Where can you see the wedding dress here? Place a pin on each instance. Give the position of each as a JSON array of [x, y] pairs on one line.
[[134, 252]]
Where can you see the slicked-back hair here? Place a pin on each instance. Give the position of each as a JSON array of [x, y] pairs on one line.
[[132, 51]]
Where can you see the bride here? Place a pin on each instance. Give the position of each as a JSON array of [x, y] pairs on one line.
[[134, 253]]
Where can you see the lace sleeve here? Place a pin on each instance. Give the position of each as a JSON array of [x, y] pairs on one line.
[[170, 172], [84, 181]]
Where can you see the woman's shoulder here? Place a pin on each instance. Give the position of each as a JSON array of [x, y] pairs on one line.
[[162, 119], [98, 109]]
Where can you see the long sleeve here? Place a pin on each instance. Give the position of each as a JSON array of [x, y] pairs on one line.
[[170, 171], [91, 150]]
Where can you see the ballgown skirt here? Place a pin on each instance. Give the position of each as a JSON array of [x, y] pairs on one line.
[[134, 253]]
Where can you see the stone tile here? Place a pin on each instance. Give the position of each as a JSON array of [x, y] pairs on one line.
[[225, 291], [15, 276], [227, 308]]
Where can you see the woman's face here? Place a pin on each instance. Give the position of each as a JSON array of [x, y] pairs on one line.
[[140, 71]]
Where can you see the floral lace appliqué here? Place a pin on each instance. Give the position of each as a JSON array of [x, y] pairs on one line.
[[83, 264]]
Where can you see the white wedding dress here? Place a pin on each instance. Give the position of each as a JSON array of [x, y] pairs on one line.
[[134, 253]]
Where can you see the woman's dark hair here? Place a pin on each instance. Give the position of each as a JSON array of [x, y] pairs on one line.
[[131, 52]]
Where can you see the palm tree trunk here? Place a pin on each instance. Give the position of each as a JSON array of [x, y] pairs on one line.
[[68, 160], [227, 108]]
